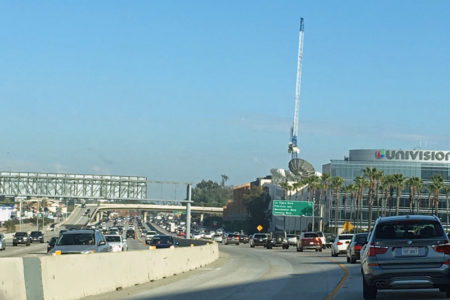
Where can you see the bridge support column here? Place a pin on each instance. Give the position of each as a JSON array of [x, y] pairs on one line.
[[101, 215], [145, 216], [97, 217], [201, 217]]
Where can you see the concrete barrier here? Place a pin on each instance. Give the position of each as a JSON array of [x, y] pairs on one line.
[[12, 279], [77, 276]]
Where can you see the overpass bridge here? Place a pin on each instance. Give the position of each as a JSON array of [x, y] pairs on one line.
[[96, 214]]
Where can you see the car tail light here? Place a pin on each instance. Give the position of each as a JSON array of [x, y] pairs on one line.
[[374, 250], [358, 247], [317, 239], [442, 248], [338, 243]]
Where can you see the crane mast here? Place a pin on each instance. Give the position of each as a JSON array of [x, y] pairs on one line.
[[293, 147]]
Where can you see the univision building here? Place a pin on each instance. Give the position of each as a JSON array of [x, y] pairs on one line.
[[411, 163]]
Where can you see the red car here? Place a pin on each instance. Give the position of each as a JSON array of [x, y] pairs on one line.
[[309, 240], [181, 233]]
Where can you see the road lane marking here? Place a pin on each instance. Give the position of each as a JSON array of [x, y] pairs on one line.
[[341, 282]]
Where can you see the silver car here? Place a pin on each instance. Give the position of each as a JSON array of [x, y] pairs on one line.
[[80, 242], [406, 252], [116, 242]]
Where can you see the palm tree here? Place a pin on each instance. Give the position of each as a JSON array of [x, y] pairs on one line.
[[411, 183], [336, 183], [224, 179], [385, 187], [429, 191], [378, 176], [419, 185], [446, 191], [353, 189], [297, 185], [346, 191], [437, 182], [399, 183], [285, 186], [325, 181], [370, 173], [361, 182]]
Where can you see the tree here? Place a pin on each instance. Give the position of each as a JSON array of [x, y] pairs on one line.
[[377, 177], [285, 186], [224, 179], [336, 183], [412, 184], [446, 191], [437, 183], [325, 181], [361, 182], [370, 173], [297, 186], [353, 188], [399, 183], [210, 193]]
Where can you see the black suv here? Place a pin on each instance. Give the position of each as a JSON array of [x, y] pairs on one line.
[[21, 238], [130, 233], [277, 239], [36, 236]]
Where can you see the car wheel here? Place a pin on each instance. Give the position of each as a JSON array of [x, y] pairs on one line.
[[447, 292], [28, 244], [287, 247], [369, 292], [300, 249], [252, 246], [320, 250], [237, 244], [352, 260], [348, 259]]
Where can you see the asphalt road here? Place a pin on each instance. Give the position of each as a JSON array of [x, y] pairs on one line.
[[246, 273]]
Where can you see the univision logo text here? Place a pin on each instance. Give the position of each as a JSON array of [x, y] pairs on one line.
[[413, 155]]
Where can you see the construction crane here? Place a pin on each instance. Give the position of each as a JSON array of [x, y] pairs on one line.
[[297, 166], [293, 146]]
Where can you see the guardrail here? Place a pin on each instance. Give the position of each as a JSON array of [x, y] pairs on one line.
[[77, 276]]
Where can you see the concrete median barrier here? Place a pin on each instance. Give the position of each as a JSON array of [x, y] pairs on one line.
[[12, 280], [77, 276]]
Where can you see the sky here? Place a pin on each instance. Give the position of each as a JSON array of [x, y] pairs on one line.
[[191, 90]]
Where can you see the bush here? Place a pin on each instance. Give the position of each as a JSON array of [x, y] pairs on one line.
[[10, 226]]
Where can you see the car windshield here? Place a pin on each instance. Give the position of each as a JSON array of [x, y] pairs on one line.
[[162, 240], [112, 239], [76, 239], [409, 229]]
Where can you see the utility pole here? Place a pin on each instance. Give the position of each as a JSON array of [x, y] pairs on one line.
[[188, 211]]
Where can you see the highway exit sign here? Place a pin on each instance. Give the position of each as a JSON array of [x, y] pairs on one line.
[[292, 208]]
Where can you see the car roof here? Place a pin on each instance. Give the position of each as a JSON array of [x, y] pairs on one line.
[[79, 231], [407, 217]]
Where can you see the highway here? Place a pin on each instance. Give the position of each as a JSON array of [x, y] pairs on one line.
[[246, 273]]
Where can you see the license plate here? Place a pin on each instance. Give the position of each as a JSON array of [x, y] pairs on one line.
[[410, 251], [311, 243]]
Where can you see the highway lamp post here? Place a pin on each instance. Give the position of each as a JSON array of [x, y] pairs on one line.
[[188, 212]]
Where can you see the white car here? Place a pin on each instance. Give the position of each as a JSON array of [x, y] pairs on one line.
[[116, 242], [218, 238], [340, 244], [209, 235], [197, 235]]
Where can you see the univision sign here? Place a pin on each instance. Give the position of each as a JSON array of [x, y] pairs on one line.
[[413, 155]]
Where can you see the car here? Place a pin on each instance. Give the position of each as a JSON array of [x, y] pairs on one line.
[[218, 238], [149, 236], [292, 239], [2, 242], [258, 239], [406, 252], [116, 242], [277, 239], [21, 238], [36, 236], [243, 238], [130, 234], [340, 244], [181, 233], [197, 235], [322, 239], [51, 243], [162, 241], [309, 240], [355, 246], [83, 241], [62, 231], [231, 238]]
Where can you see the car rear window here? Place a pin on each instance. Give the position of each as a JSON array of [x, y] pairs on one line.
[[113, 239], [409, 229], [21, 233], [345, 237], [310, 235], [76, 239], [260, 236], [361, 239], [162, 240]]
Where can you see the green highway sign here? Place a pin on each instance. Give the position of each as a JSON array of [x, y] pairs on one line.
[[292, 208]]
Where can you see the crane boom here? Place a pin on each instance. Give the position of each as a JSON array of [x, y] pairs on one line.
[[293, 147]]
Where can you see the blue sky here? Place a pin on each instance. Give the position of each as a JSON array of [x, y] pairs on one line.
[[190, 90]]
